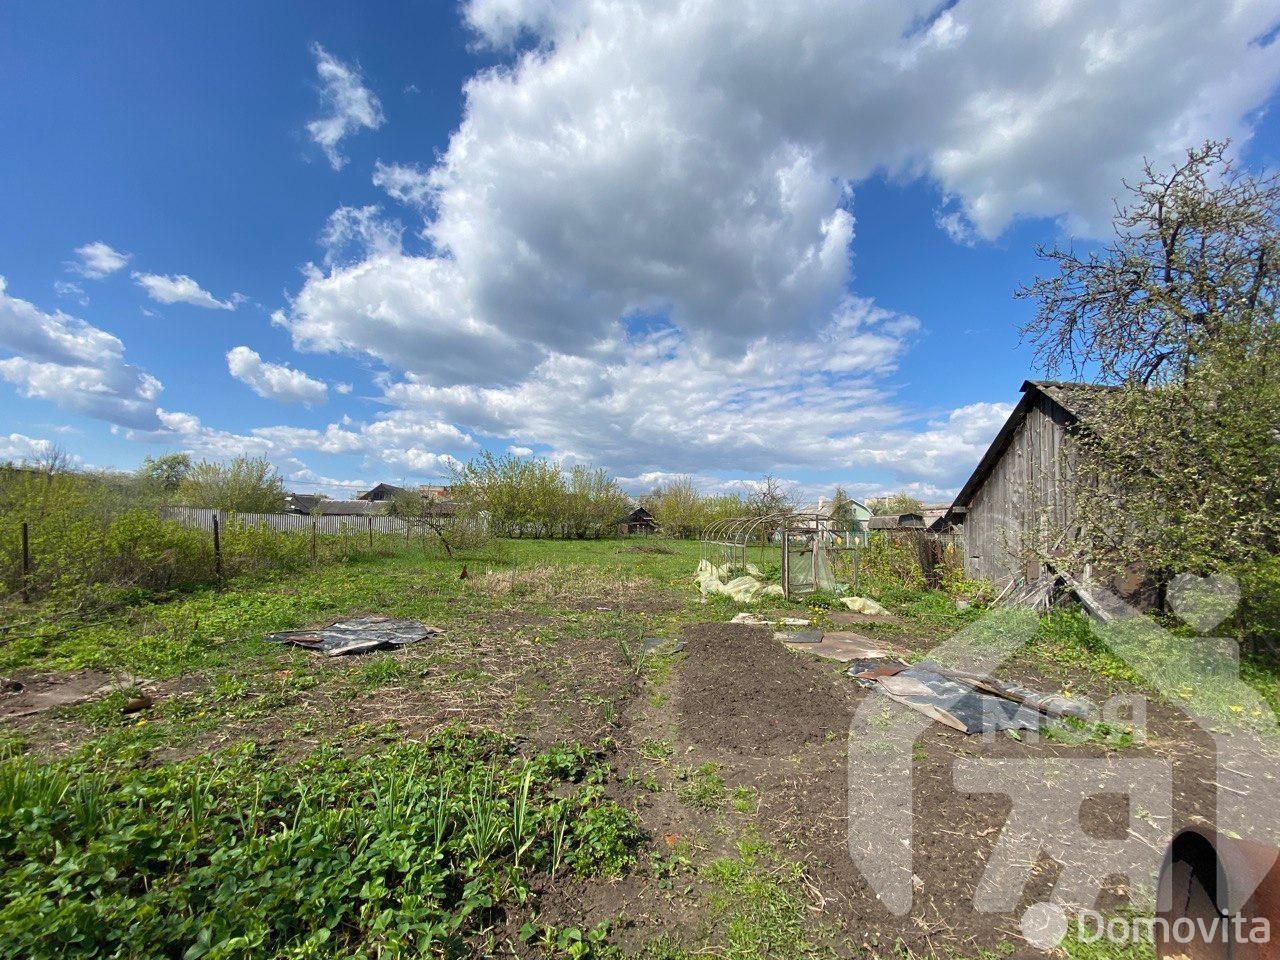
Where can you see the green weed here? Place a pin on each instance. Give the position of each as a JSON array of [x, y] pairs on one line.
[[703, 787], [401, 852]]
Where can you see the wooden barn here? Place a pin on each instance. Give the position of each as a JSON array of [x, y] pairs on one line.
[[638, 521], [1017, 505]]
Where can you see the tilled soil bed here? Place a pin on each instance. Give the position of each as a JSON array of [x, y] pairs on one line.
[[779, 721]]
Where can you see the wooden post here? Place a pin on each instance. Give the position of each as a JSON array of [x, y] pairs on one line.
[[217, 549], [313, 539], [26, 563], [370, 519]]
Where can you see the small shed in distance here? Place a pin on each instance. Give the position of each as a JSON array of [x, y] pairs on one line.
[[897, 521], [638, 521], [935, 517]]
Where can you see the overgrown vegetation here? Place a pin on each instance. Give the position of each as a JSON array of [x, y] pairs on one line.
[[1179, 467], [92, 543], [404, 852], [532, 497], [684, 511]]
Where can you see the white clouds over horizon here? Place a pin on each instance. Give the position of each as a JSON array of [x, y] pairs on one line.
[[641, 233], [637, 247], [21, 448], [396, 439], [350, 106]]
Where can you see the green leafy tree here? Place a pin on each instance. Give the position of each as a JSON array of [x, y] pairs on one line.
[[245, 485], [894, 504], [1178, 469], [165, 473], [678, 507], [532, 497]]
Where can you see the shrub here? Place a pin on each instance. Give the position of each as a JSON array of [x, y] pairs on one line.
[[90, 546], [1259, 616], [888, 560], [245, 485]]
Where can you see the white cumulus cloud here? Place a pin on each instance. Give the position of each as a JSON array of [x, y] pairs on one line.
[[404, 182], [275, 381], [641, 233], [349, 105], [20, 448], [97, 260], [180, 288], [78, 366]]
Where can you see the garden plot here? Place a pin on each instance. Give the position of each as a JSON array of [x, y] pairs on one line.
[[729, 753]]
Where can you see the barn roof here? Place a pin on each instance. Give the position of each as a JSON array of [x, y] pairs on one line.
[[1077, 400], [895, 521]]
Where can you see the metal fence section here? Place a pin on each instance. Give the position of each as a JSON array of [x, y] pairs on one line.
[[201, 518]]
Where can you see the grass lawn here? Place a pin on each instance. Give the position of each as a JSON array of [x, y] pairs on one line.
[[527, 784]]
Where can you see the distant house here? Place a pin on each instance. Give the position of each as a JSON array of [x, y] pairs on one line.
[[1017, 506], [382, 493], [302, 503], [439, 498], [638, 521], [897, 521], [309, 504]]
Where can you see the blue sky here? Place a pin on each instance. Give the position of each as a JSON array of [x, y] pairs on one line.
[[722, 240]]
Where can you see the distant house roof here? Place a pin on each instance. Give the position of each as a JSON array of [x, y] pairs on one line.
[[896, 521], [300, 502], [818, 508], [383, 491], [639, 515], [1077, 402]]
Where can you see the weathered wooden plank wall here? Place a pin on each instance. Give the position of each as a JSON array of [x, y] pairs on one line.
[[1024, 506]]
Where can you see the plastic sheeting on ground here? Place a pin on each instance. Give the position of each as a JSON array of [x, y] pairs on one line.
[[357, 636], [843, 647], [971, 704], [743, 589], [661, 645], [864, 605]]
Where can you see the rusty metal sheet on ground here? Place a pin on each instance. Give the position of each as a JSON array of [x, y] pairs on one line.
[[359, 635]]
